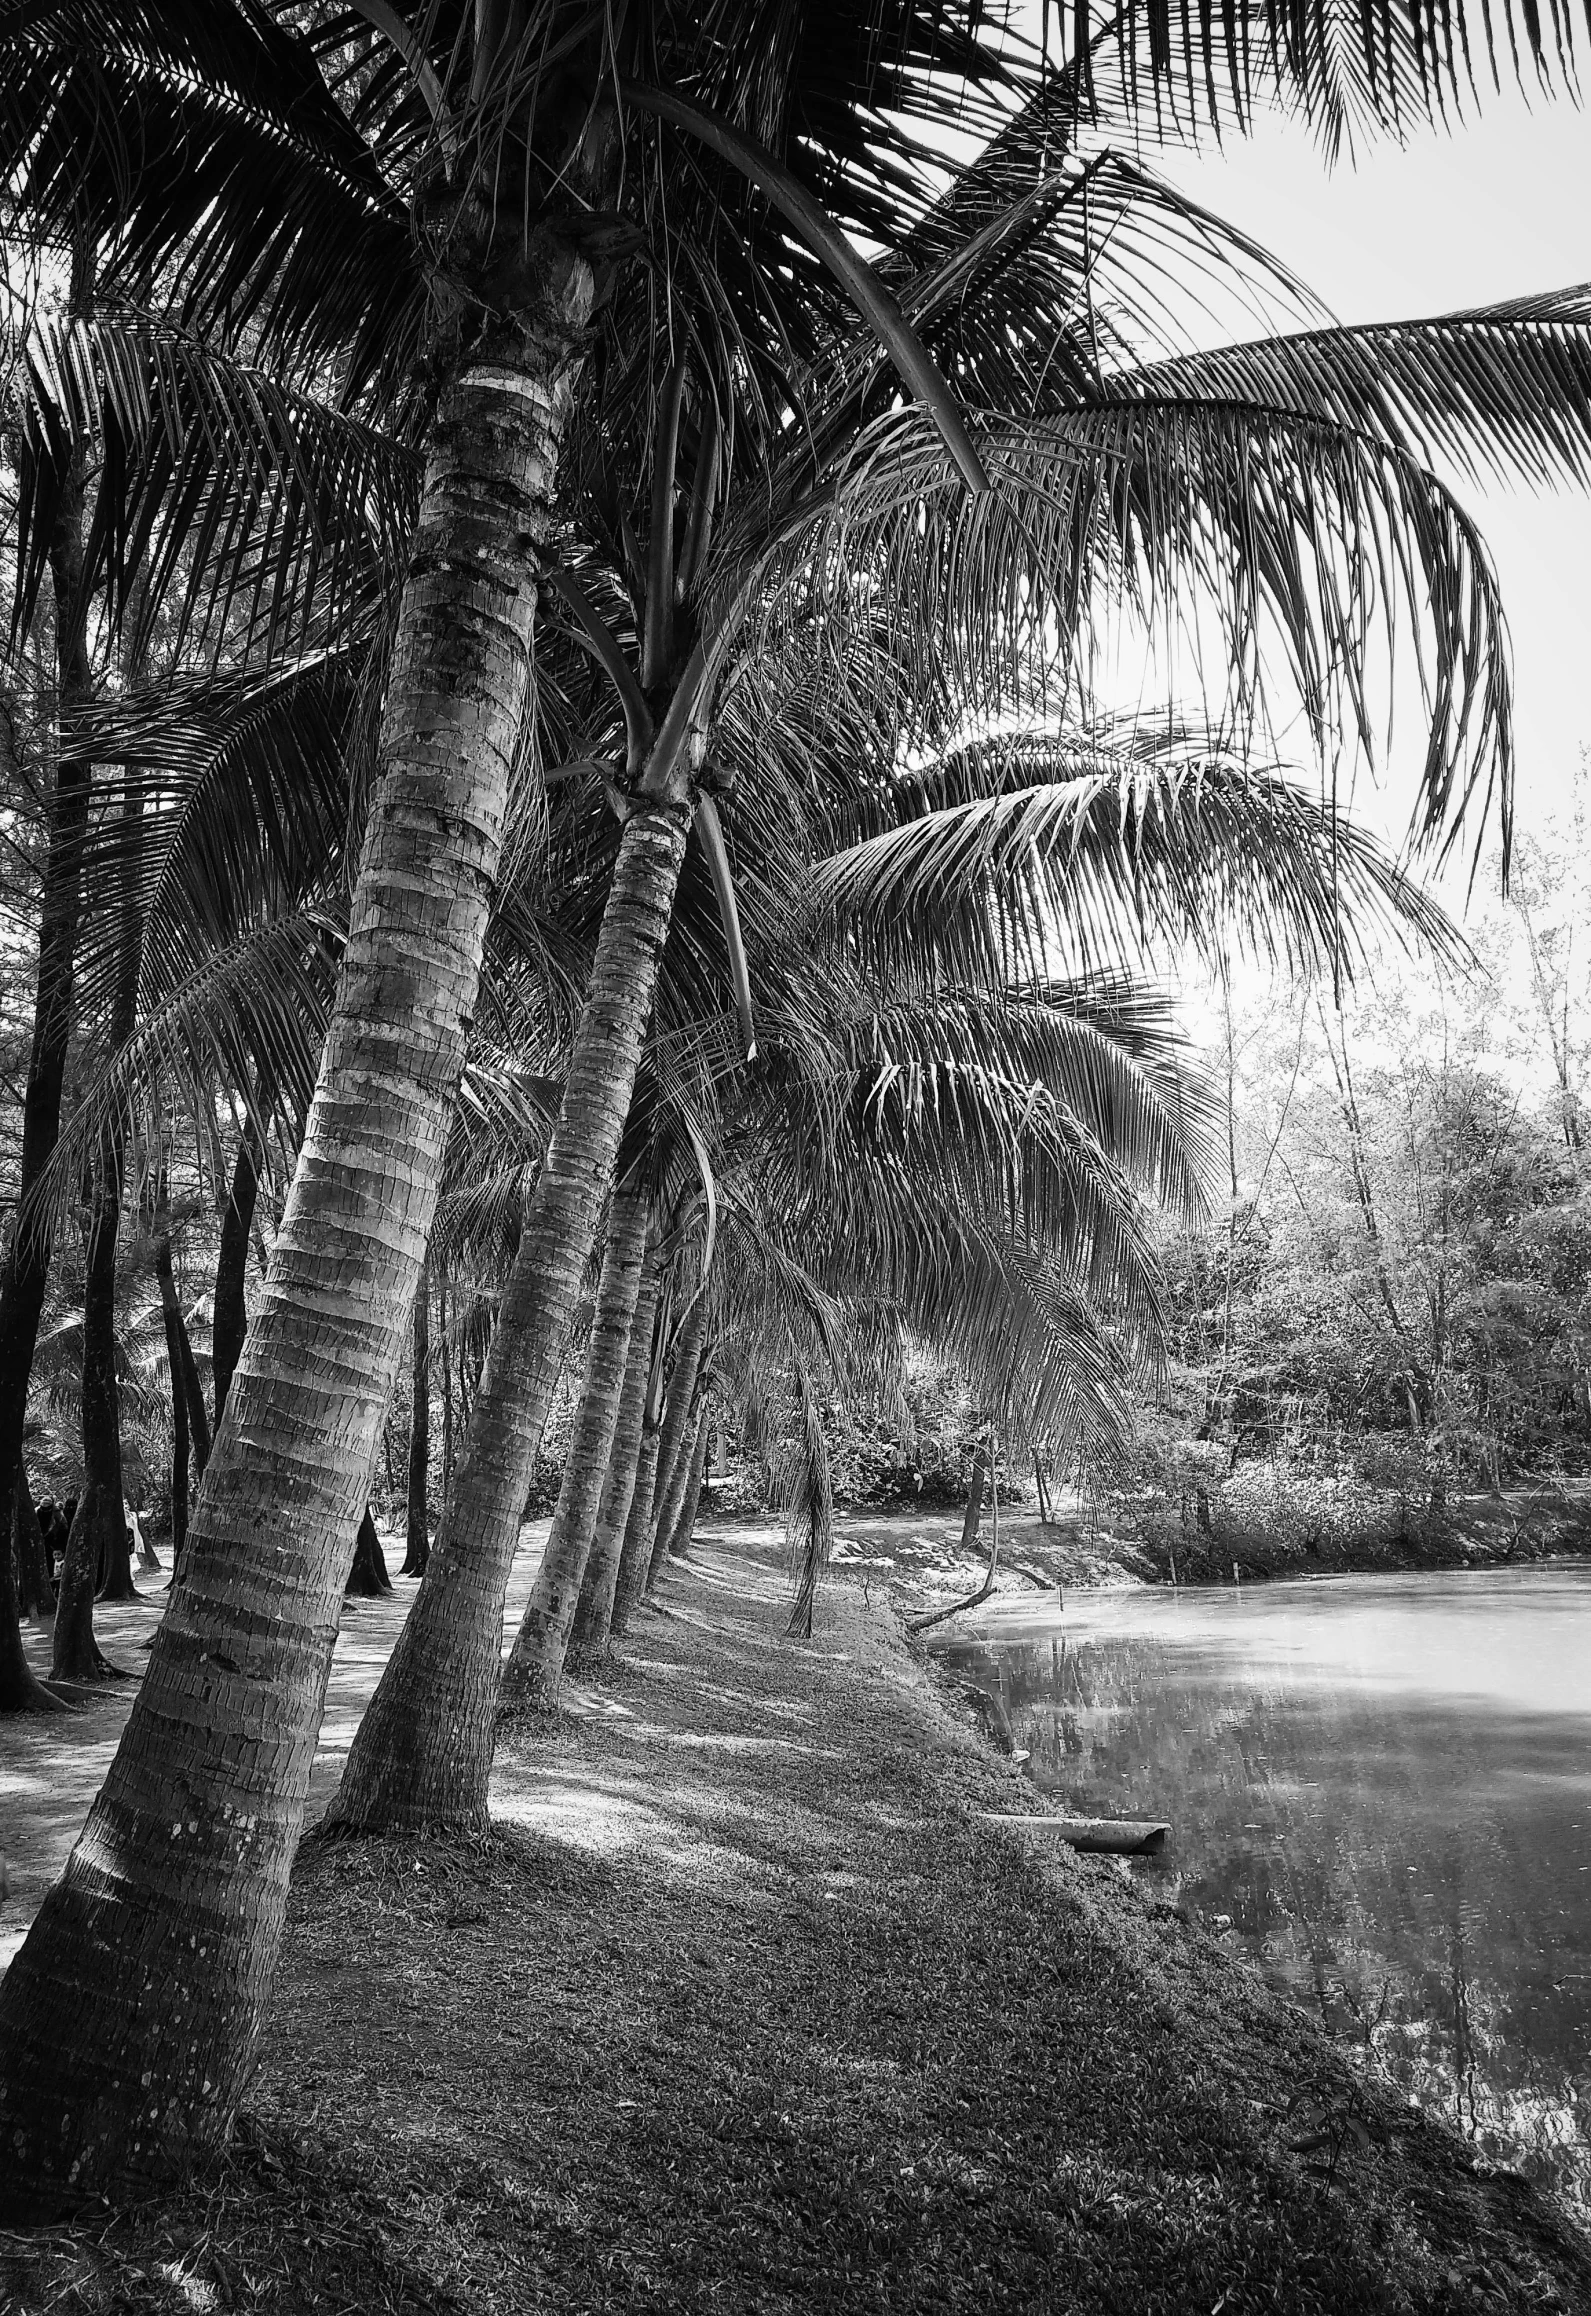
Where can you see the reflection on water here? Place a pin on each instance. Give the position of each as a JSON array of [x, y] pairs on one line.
[[1385, 1782]]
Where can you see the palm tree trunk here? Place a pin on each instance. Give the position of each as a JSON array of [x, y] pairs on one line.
[[679, 1542], [179, 1443], [367, 1578], [106, 1532], [536, 1664], [418, 1538], [129, 2020], [98, 1550], [422, 1756], [589, 1635], [635, 1556], [27, 1267], [231, 1263], [190, 1430], [35, 1595], [673, 1449], [16, 1674]]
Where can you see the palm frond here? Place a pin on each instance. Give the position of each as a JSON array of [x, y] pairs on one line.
[[1100, 863], [203, 150], [243, 796], [1503, 391], [251, 1016], [248, 514]]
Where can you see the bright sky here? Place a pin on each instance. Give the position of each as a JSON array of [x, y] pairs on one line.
[[1496, 210]]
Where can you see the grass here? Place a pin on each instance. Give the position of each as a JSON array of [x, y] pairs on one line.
[[743, 2008]]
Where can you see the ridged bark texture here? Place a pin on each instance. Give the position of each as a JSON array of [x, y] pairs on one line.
[[417, 1537], [535, 1664], [589, 1637], [673, 1454], [422, 1756], [129, 2020]]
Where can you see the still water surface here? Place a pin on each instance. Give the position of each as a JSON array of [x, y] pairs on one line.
[[1385, 1782]]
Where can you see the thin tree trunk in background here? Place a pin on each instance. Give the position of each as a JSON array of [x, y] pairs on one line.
[[418, 1537], [985, 1474], [185, 1370], [17, 1678], [75, 1655], [535, 1665], [977, 1487], [35, 1593], [179, 1442], [231, 1263], [130, 2018], [674, 1447], [190, 1431], [588, 1636], [27, 1267], [104, 1486], [422, 1756], [367, 1578], [684, 1530]]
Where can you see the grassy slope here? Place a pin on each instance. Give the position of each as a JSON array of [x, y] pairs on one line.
[[744, 2009]]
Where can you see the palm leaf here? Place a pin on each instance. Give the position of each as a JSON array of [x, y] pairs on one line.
[[1100, 862], [249, 513]]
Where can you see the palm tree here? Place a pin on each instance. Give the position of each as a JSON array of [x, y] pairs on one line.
[[236, 123], [549, 1614], [512, 253]]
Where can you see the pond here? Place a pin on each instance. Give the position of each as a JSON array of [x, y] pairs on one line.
[[1383, 1784]]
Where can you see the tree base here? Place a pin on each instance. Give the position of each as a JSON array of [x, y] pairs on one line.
[[368, 1578]]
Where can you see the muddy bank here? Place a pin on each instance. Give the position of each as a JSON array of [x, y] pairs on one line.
[[1081, 1544], [747, 2006]]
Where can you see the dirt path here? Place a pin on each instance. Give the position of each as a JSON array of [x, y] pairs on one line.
[[51, 1769], [746, 2007]]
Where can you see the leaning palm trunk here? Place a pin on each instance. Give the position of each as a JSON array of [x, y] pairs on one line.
[[589, 1636], [635, 1556], [422, 1756], [535, 1665], [673, 1455], [679, 1542], [128, 2021]]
